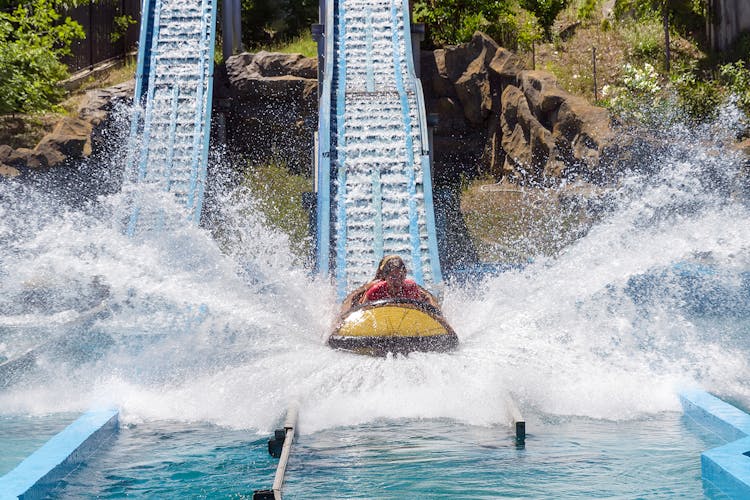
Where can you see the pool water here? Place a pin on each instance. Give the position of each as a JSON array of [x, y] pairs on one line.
[[176, 460], [656, 457], [21, 435], [210, 332]]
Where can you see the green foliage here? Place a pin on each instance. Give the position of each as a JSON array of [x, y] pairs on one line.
[[698, 97], [303, 44], [691, 94], [122, 23], [645, 38], [32, 40], [545, 11], [266, 22], [278, 193], [685, 15], [737, 78], [587, 8], [529, 30], [454, 21], [640, 98]]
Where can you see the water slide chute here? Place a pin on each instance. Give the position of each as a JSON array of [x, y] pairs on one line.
[[373, 180], [170, 126]]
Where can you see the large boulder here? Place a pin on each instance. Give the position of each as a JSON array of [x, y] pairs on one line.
[[472, 87], [528, 145], [73, 137], [526, 125], [25, 157], [273, 99], [8, 171], [97, 104], [256, 76], [504, 69], [270, 64]]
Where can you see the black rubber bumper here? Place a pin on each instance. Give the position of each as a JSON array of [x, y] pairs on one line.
[[380, 346]]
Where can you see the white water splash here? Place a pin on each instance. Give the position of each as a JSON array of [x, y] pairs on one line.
[[233, 332]]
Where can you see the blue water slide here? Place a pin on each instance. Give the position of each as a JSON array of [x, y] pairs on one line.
[[373, 177], [170, 126]]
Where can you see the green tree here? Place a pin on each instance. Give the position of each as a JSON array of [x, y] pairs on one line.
[[545, 11], [454, 21], [33, 38], [268, 21]]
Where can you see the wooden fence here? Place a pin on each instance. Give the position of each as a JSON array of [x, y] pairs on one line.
[[98, 21]]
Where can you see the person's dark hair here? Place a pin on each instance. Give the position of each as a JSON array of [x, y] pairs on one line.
[[388, 263]]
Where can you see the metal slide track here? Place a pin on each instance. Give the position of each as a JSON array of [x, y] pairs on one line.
[[373, 162], [170, 128]]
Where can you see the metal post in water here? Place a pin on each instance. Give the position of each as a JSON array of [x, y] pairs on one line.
[[288, 432], [227, 31], [231, 28], [237, 25], [318, 34], [517, 421]]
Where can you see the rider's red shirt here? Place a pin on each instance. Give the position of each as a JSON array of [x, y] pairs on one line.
[[380, 291]]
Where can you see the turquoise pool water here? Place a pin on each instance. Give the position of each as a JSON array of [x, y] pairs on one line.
[[175, 460], [222, 325], [21, 435], [657, 457]]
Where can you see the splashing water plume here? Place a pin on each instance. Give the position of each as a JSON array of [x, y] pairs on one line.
[[229, 328]]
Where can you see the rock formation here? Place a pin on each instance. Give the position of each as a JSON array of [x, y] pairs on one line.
[[73, 137], [516, 123], [493, 117], [270, 105]]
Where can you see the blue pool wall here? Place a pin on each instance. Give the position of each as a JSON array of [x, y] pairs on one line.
[[726, 467], [39, 474]]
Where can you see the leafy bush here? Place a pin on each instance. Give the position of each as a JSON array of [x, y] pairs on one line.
[[266, 22], [685, 15], [454, 21], [737, 77], [587, 8], [545, 11], [32, 40], [528, 30], [699, 98], [640, 97], [645, 38], [122, 23]]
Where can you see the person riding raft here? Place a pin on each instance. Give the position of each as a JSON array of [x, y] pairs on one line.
[[390, 283]]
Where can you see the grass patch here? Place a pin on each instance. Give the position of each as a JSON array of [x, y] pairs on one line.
[[278, 193], [303, 44], [571, 61], [102, 79], [511, 224], [645, 39]]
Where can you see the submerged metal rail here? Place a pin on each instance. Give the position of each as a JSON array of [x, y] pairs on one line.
[[280, 447]]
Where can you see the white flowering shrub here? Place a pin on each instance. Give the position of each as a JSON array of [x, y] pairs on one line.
[[640, 97]]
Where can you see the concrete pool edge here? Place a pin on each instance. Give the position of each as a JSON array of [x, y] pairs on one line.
[[726, 467], [41, 471]]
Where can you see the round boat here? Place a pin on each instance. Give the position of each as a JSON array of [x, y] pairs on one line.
[[392, 325]]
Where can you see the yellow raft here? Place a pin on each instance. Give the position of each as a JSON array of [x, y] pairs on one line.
[[394, 325]]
